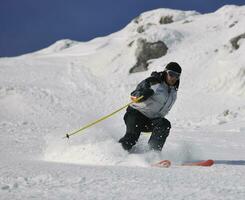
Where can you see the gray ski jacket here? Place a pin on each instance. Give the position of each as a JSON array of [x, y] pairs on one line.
[[158, 96]]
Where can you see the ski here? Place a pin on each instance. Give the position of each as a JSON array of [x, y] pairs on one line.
[[204, 163], [167, 163]]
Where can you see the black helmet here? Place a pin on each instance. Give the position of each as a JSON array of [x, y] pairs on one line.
[[173, 66]]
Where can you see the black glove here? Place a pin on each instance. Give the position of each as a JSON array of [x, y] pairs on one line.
[[147, 93], [158, 76], [143, 92]]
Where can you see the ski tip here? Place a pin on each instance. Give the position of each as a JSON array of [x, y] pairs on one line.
[[162, 164]]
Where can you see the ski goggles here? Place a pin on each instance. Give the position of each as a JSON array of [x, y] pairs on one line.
[[173, 74]]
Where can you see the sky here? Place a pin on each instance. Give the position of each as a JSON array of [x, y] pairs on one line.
[[28, 25]]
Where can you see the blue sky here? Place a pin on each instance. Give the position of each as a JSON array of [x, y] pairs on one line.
[[30, 25]]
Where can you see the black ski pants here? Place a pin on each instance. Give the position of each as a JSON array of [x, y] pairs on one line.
[[136, 123]]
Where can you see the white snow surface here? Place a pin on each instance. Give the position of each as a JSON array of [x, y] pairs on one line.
[[46, 94]]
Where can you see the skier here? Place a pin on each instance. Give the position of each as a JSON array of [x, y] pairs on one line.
[[159, 93]]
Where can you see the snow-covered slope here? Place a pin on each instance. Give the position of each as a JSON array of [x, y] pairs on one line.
[[46, 94]]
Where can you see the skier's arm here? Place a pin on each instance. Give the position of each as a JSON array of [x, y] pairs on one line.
[[144, 88]]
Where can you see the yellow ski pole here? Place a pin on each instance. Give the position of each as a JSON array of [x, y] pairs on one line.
[[101, 119]]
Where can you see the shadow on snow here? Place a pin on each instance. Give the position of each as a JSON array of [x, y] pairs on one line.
[[230, 162]]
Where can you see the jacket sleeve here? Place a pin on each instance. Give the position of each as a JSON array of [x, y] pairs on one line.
[[144, 87]]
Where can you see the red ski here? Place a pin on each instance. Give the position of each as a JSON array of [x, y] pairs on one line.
[[167, 163], [204, 163]]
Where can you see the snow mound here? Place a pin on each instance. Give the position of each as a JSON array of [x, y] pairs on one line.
[[157, 16], [58, 46]]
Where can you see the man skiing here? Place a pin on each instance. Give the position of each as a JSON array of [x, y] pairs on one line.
[[158, 94]]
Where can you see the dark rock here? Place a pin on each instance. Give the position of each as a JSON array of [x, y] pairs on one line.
[[234, 41], [131, 44], [137, 19], [233, 24], [166, 20], [5, 187], [140, 29], [187, 21], [146, 51]]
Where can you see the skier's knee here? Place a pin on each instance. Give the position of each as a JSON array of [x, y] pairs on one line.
[[162, 124], [166, 124], [159, 134]]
